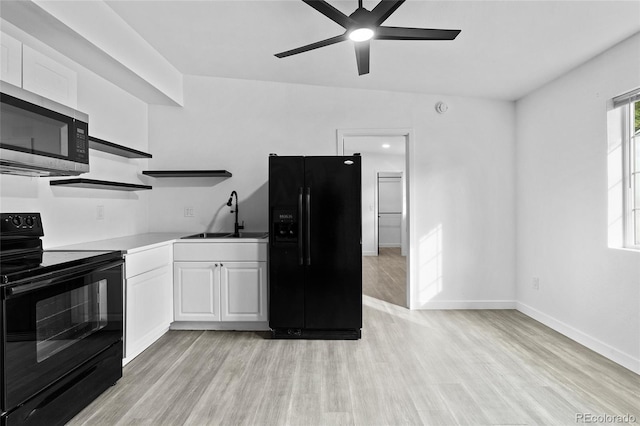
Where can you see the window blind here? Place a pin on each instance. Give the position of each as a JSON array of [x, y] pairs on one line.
[[627, 98]]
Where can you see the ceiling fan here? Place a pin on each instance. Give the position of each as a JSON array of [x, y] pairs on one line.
[[363, 25]]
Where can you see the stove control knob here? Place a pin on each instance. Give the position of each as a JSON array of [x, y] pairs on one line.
[[16, 220], [29, 221]]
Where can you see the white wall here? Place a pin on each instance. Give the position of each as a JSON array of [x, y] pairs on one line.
[[462, 169], [69, 215], [588, 291]]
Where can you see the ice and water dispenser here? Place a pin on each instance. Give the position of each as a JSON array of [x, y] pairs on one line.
[[285, 226]]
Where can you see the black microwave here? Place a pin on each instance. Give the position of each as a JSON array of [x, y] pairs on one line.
[[40, 137]]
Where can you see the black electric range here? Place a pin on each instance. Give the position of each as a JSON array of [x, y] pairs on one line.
[[62, 324]]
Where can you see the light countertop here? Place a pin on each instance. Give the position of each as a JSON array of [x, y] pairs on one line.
[[139, 242], [129, 244]]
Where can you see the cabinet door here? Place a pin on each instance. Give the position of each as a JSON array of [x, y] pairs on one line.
[[196, 291], [48, 78], [149, 308], [11, 61], [243, 288]]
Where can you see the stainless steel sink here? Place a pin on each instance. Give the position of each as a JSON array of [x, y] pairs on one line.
[[249, 235], [209, 235], [228, 235]]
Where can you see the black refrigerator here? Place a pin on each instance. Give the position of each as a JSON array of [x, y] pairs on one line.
[[315, 247]]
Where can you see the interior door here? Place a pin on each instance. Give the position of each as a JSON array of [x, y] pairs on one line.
[[333, 292]]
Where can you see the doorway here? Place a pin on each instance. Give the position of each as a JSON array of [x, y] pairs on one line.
[[385, 210]]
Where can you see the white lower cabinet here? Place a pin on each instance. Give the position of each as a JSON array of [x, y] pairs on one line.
[[196, 287], [243, 287], [148, 298], [217, 294]]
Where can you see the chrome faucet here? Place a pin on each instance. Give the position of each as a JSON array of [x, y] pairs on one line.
[[236, 226]]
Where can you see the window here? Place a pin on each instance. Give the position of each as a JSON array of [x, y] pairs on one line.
[[634, 172], [627, 114]]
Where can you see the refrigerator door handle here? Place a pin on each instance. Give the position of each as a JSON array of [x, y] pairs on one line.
[[308, 219], [300, 228]]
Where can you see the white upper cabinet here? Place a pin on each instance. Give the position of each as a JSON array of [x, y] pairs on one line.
[[48, 78], [11, 60]]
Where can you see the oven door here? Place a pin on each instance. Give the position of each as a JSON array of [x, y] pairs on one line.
[[56, 324]]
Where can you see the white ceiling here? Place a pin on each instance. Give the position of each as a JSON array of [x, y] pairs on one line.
[[505, 50]]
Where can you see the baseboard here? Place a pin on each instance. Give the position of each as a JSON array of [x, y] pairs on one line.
[[390, 245], [375, 253], [607, 351], [467, 304], [225, 326]]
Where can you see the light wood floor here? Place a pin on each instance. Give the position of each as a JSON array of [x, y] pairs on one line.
[[384, 276], [410, 367]]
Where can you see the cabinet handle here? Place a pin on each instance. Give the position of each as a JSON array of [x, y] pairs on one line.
[[216, 265], [221, 265]]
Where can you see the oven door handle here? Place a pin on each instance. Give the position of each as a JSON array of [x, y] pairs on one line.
[[18, 289]]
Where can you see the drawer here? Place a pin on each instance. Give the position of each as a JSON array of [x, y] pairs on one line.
[[229, 252], [147, 260]]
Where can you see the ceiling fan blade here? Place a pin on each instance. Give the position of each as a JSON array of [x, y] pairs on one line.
[[331, 12], [362, 56], [401, 33], [384, 9], [312, 46]]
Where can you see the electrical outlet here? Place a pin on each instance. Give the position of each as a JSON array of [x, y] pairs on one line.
[[188, 212], [535, 283], [100, 212]]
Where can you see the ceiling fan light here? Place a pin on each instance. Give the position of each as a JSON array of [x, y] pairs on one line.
[[361, 34]]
